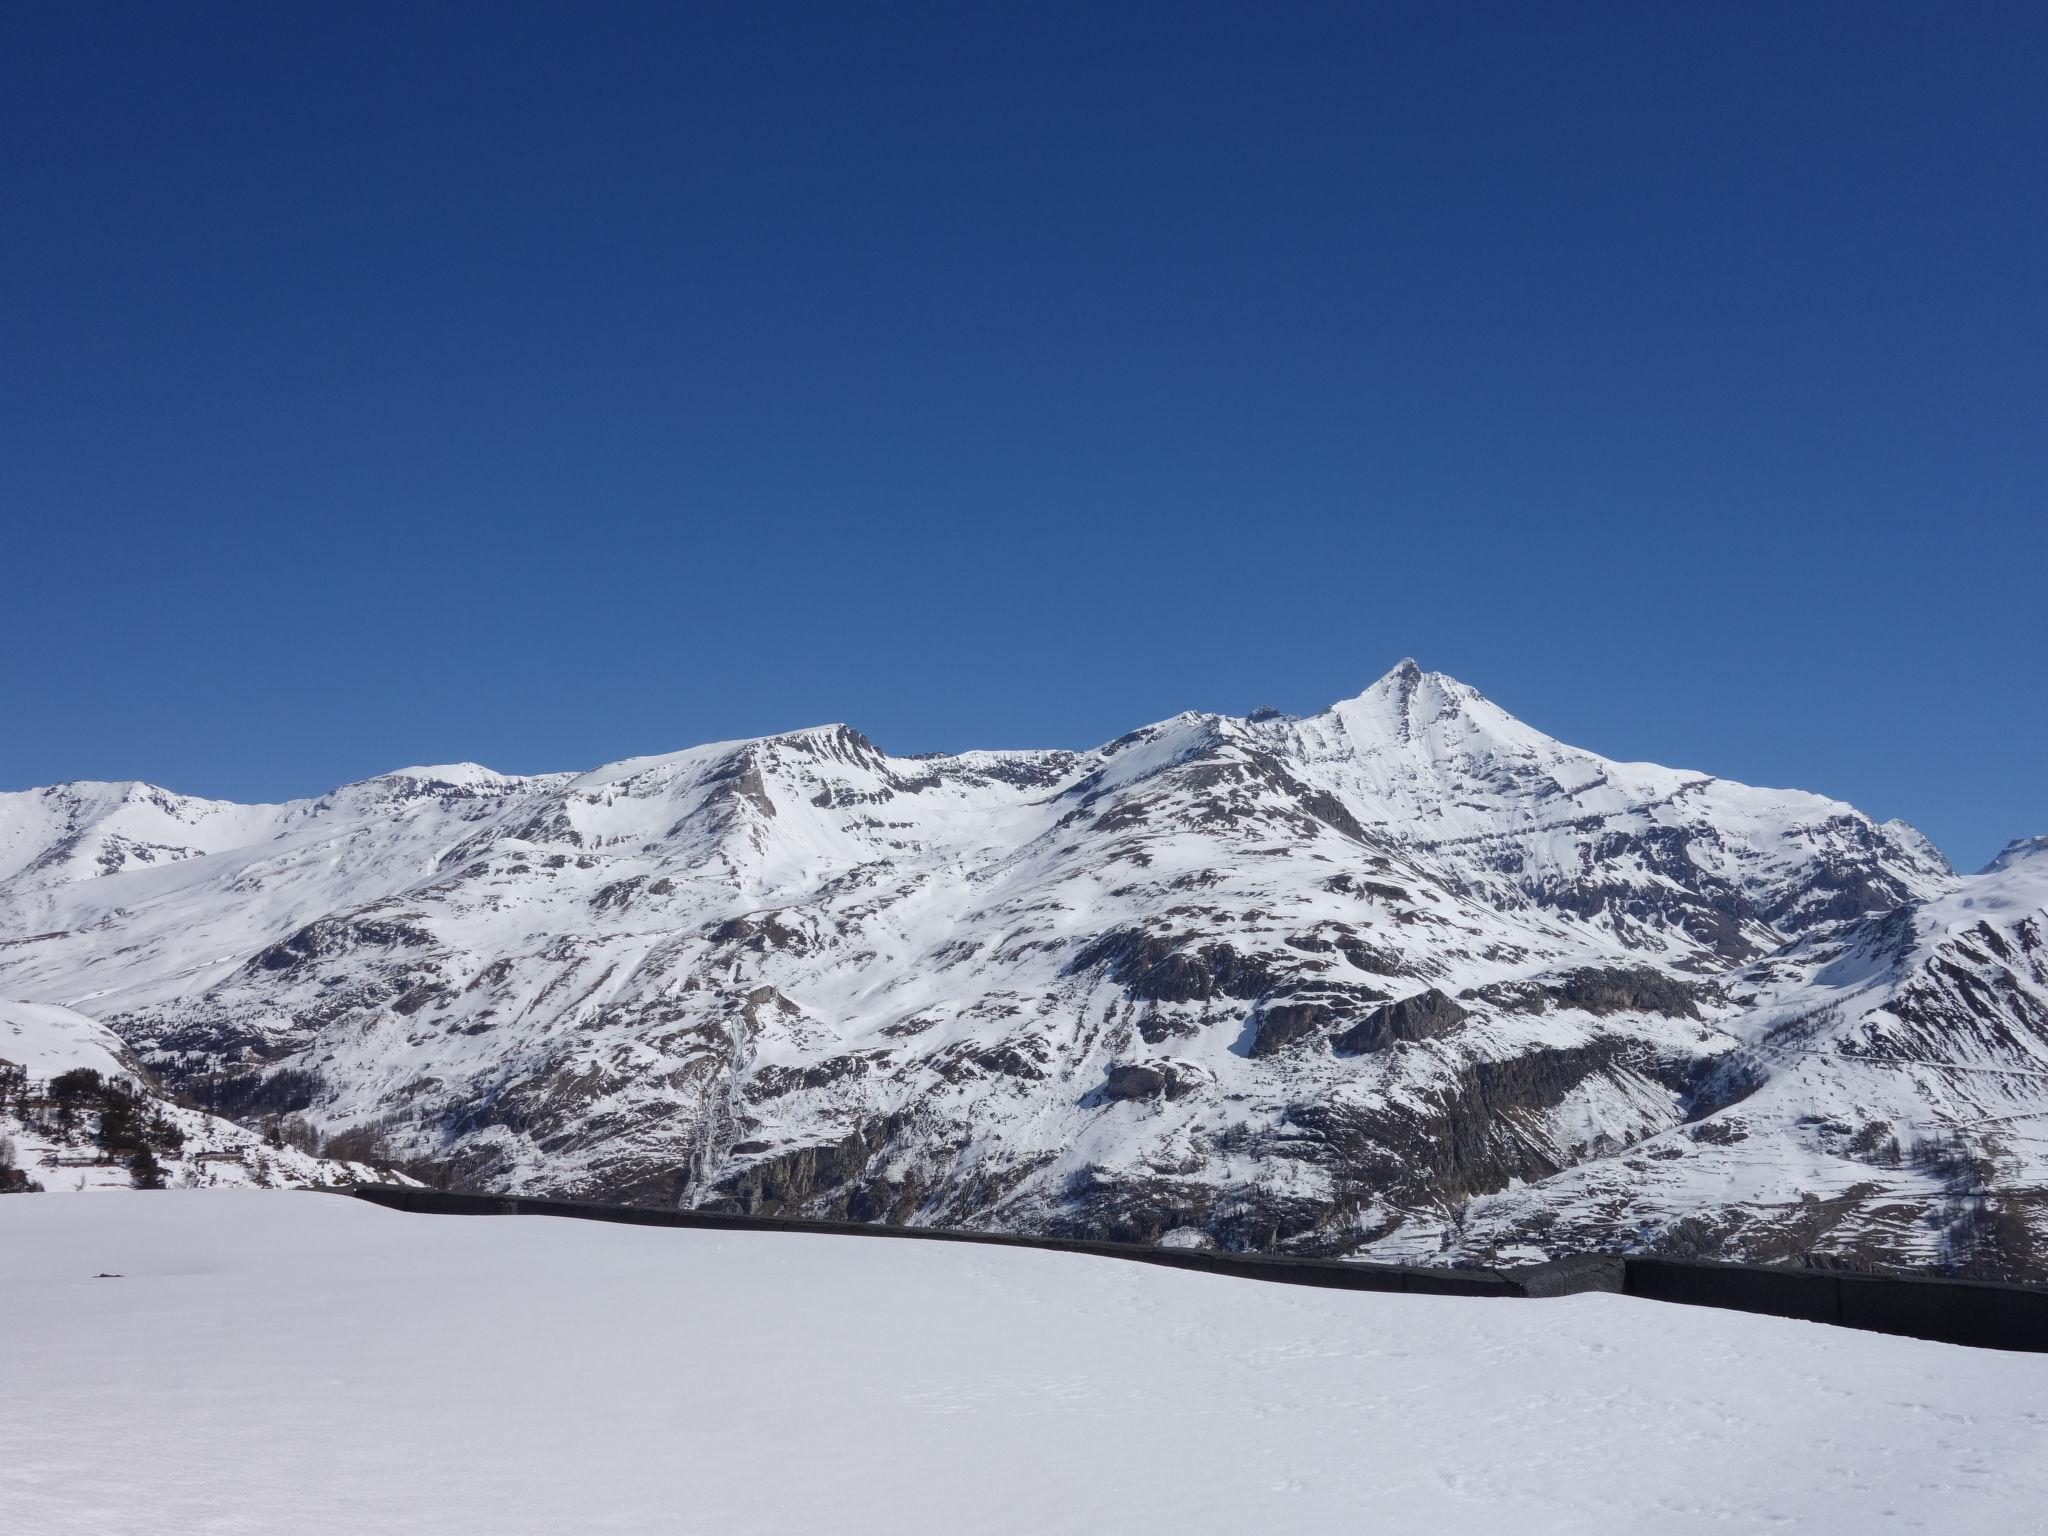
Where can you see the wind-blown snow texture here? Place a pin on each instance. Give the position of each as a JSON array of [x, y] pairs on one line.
[[1404, 979], [269, 1362]]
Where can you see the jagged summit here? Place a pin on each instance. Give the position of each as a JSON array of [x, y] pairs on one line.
[[1401, 679], [1408, 706], [1393, 692]]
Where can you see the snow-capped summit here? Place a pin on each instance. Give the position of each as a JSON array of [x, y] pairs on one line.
[[2021, 850], [85, 829], [1406, 977], [1446, 772]]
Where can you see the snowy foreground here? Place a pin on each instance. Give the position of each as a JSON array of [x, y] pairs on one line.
[[272, 1362]]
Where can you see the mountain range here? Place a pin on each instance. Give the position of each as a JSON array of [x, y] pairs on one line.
[[1406, 979]]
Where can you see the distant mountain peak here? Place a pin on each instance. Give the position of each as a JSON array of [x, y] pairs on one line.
[[1399, 682], [447, 773], [2021, 850]]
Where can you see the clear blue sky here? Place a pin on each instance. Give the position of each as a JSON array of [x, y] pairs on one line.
[[392, 383]]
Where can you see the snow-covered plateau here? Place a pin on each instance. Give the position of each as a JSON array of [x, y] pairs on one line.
[[235, 1361], [1406, 979]]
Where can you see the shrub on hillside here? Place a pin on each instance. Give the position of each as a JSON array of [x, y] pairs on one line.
[[77, 1085], [144, 1171], [121, 1126]]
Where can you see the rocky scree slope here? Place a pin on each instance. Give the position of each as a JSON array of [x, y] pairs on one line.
[[1403, 979]]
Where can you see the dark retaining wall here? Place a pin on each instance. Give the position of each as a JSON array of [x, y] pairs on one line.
[[1952, 1311]]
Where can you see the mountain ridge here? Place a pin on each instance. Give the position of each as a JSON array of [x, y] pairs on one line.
[[1358, 981]]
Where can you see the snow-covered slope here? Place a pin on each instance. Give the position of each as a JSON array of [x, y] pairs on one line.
[[1407, 976], [1897, 1107], [60, 1145], [1454, 778], [261, 1362]]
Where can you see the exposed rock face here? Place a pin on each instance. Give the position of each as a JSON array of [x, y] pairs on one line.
[[1425, 1016], [1626, 989], [1405, 978], [1140, 1082], [1163, 968], [1281, 1025]]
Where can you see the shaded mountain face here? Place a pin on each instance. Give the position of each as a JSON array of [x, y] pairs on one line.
[[1405, 978]]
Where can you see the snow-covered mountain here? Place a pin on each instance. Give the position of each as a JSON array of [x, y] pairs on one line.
[[1403, 978], [76, 1111]]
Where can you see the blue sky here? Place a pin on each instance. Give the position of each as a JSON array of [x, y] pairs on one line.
[[384, 384]]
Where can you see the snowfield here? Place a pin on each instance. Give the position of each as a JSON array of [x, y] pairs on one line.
[[271, 1362]]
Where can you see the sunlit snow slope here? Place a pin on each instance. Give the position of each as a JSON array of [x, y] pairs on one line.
[[1404, 978], [261, 1363]]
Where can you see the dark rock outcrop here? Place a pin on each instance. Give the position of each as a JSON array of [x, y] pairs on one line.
[[1284, 1024], [1136, 1081], [1153, 967], [1133, 1082], [1626, 989], [1425, 1016]]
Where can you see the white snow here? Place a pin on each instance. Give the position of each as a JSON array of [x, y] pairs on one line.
[[298, 1362], [45, 1040]]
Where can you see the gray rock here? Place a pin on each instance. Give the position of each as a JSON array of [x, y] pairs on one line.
[[1285, 1024], [1134, 1082], [1424, 1016]]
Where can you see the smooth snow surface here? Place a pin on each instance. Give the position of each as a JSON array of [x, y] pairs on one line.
[[45, 1040], [301, 1363]]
